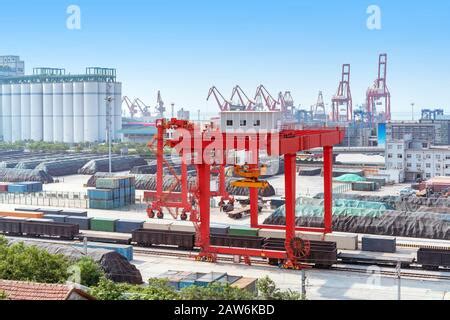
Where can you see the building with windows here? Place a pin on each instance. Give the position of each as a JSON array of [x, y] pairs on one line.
[[231, 121], [419, 160], [423, 132], [11, 66]]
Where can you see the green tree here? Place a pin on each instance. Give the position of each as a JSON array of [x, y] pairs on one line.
[[90, 271], [29, 263], [108, 290], [267, 290], [3, 296], [215, 291]]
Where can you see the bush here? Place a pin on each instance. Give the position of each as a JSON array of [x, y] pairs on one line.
[[267, 290], [215, 291], [29, 263], [89, 271], [3, 296]]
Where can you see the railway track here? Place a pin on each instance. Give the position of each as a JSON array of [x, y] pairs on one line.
[[345, 268]]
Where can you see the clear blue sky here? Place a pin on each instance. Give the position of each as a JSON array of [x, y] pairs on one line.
[[183, 47]]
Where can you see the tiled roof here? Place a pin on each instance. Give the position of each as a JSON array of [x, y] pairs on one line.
[[21, 290]]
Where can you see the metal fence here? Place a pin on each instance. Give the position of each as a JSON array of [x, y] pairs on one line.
[[342, 188], [47, 198]]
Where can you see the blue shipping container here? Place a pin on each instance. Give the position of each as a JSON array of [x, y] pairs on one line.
[[77, 213], [17, 188], [100, 194], [83, 222], [127, 226], [56, 217], [101, 204], [124, 250]]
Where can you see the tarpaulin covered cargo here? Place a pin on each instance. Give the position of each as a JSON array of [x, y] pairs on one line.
[[19, 175], [121, 163]]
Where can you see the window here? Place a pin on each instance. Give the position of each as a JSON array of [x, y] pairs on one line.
[[257, 123], [428, 175], [428, 156], [229, 123], [409, 165], [428, 165], [438, 167], [389, 146], [243, 123], [400, 147], [418, 156], [409, 156], [399, 156], [447, 157], [438, 157], [390, 155], [419, 166], [399, 165]]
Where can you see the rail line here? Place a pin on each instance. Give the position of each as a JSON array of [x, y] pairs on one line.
[[403, 273]]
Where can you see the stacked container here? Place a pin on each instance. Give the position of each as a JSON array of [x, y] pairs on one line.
[[25, 187], [112, 193]]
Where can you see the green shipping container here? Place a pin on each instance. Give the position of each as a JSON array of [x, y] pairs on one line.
[[243, 231], [107, 183], [103, 224]]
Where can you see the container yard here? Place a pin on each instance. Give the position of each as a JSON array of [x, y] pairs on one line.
[[224, 180]]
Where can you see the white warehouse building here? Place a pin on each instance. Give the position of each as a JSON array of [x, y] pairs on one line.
[[53, 106]]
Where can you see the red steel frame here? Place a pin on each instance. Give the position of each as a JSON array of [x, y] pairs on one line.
[[287, 143]]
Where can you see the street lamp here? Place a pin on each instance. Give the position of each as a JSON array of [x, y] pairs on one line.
[[108, 100]]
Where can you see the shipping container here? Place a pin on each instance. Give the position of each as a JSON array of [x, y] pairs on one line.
[[158, 224], [107, 183], [50, 211], [378, 244], [30, 209], [4, 187], [74, 213], [103, 224], [183, 226], [101, 204], [20, 214], [242, 231], [209, 278], [128, 226], [244, 283], [100, 194], [124, 250], [55, 217], [220, 229]]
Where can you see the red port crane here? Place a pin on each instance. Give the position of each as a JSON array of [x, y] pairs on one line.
[[224, 104], [343, 96], [378, 91], [244, 102], [263, 96]]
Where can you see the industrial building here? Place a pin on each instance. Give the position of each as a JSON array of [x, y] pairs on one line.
[[441, 124], [54, 106], [397, 130], [11, 66], [419, 160]]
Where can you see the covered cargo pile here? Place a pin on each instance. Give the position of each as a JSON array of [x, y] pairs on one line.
[[148, 182], [62, 167], [368, 218], [121, 163], [350, 178], [19, 175], [116, 267], [146, 169], [112, 193]]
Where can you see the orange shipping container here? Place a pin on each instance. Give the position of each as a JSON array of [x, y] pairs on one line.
[[21, 214]]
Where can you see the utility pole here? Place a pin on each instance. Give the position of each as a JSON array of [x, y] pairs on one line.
[[399, 286], [108, 100], [303, 284]]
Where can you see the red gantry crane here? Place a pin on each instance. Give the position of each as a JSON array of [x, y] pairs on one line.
[[285, 143], [378, 91], [343, 97]]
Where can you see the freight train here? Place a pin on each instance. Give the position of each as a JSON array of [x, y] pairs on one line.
[[323, 254]]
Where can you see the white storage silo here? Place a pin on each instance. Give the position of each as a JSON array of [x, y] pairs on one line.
[[102, 94], [117, 109], [25, 100], [6, 112], [91, 111], [58, 130], [36, 112], [48, 111], [78, 111], [68, 119], [16, 121]]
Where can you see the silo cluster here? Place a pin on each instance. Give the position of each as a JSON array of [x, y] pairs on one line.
[[59, 109]]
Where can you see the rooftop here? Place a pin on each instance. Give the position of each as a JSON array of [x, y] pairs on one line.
[[22, 290]]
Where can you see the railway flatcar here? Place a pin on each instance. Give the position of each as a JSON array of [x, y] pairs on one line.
[[432, 259]]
